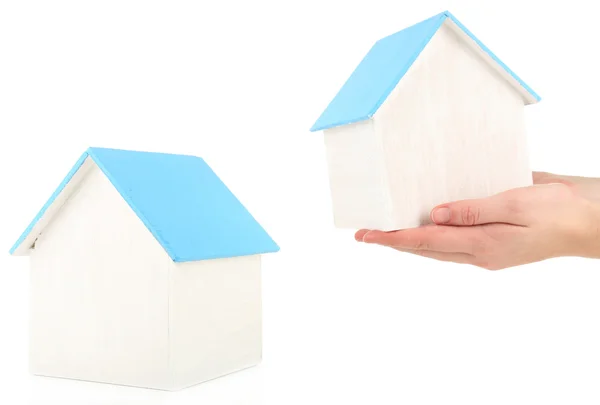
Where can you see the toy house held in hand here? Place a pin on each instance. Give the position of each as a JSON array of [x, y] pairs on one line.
[[429, 116], [145, 271]]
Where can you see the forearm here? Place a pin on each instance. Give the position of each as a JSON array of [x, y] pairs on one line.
[[587, 187]]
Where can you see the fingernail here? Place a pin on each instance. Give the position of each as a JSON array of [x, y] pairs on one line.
[[368, 237], [441, 215]]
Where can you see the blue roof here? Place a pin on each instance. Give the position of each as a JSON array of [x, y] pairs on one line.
[[381, 70], [182, 202]]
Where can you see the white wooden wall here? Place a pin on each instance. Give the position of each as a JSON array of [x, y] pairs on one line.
[[358, 177], [452, 129], [215, 318], [99, 293]]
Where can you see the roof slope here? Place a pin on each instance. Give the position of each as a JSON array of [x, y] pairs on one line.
[[382, 69], [181, 201]]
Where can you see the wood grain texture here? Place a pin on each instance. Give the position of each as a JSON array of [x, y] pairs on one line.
[[452, 129], [215, 323], [357, 176], [99, 293]]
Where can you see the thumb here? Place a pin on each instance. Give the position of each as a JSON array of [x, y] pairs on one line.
[[495, 209]]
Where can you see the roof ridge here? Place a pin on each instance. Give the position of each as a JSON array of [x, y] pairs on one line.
[[92, 148], [443, 13]]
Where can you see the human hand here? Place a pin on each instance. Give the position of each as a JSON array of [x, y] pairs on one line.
[[515, 227]]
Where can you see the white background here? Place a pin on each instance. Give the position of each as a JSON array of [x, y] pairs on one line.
[[240, 83]]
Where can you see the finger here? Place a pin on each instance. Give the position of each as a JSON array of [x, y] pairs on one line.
[[359, 235], [500, 208], [461, 258], [432, 238]]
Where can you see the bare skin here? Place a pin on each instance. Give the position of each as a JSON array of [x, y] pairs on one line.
[[557, 216]]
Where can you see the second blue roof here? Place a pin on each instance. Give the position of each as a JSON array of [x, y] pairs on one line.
[[382, 69], [182, 202]]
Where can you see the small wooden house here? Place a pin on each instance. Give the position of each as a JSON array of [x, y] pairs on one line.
[[429, 116], [145, 271]]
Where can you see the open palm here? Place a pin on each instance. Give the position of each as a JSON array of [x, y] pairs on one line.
[[557, 216]]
